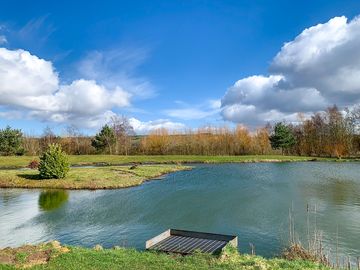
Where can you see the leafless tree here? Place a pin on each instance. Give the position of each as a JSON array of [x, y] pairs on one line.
[[123, 132]]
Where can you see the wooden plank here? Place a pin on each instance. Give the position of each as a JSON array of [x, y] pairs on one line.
[[216, 247], [172, 240], [164, 243], [189, 243], [185, 242], [157, 239], [208, 244], [191, 248], [194, 234], [176, 245]]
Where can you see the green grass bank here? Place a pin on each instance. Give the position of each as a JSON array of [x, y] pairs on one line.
[[23, 161], [54, 256], [108, 177]]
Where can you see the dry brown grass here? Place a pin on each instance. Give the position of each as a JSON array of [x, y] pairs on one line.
[[31, 255], [298, 252]]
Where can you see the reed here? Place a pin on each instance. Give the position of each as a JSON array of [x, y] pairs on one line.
[[315, 250]]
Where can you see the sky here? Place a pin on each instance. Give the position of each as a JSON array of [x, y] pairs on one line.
[[175, 64]]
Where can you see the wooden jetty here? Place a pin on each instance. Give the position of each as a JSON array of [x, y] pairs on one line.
[[186, 242]]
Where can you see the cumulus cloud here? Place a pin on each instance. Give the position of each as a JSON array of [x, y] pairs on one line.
[[145, 127], [320, 67], [31, 84]]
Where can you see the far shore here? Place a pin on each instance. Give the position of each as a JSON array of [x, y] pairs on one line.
[[15, 162], [115, 172]]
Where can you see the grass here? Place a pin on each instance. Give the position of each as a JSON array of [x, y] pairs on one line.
[[108, 177], [53, 256], [23, 161]]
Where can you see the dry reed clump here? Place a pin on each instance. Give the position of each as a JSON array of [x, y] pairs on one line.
[[298, 252], [31, 255], [316, 251]]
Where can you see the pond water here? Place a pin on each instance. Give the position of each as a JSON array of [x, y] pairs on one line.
[[249, 200]]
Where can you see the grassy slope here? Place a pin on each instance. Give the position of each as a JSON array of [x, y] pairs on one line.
[[87, 178], [23, 161], [82, 258]]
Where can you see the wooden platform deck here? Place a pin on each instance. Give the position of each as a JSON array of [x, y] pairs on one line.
[[186, 242]]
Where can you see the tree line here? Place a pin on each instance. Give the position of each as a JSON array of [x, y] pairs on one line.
[[332, 133]]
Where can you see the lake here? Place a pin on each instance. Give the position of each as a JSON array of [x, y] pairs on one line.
[[251, 200]]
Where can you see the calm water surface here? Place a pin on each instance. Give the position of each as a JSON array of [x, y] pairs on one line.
[[248, 200]]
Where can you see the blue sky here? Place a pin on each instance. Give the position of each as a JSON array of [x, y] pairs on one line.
[[169, 63]]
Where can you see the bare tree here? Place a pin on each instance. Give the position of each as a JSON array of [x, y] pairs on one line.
[[73, 135], [48, 137], [123, 133]]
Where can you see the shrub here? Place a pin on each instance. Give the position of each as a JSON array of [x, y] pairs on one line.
[[11, 142], [34, 164], [104, 140], [53, 163]]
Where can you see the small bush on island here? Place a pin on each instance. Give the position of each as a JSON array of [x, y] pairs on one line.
[[54, 163]]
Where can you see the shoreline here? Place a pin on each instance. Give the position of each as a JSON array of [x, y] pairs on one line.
[[100, 178], [91, 175], [21, 162], [53, 255]]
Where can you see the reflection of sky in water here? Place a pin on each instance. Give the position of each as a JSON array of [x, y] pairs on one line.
[[249, 200], [18, 208]]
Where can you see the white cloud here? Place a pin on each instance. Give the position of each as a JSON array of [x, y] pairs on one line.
[[146, 127], [194, 112], [320, 67], [11, 114], [215, 104], [3, 39], [116, 68], [84, 97], [28, 83], [35, 33], [188, 113], [25, 74]]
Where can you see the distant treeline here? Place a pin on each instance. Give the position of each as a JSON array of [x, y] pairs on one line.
[[331, 133]]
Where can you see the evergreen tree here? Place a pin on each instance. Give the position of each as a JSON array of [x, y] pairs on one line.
[[53, 163], [105, 139], [11, 142], [282, 137]]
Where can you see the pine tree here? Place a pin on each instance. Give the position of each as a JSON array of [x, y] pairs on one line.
[[282, 137], [105, 139], [11, 142]]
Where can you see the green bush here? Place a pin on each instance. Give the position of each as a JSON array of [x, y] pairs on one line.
[[53, 163], [11, 142]]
